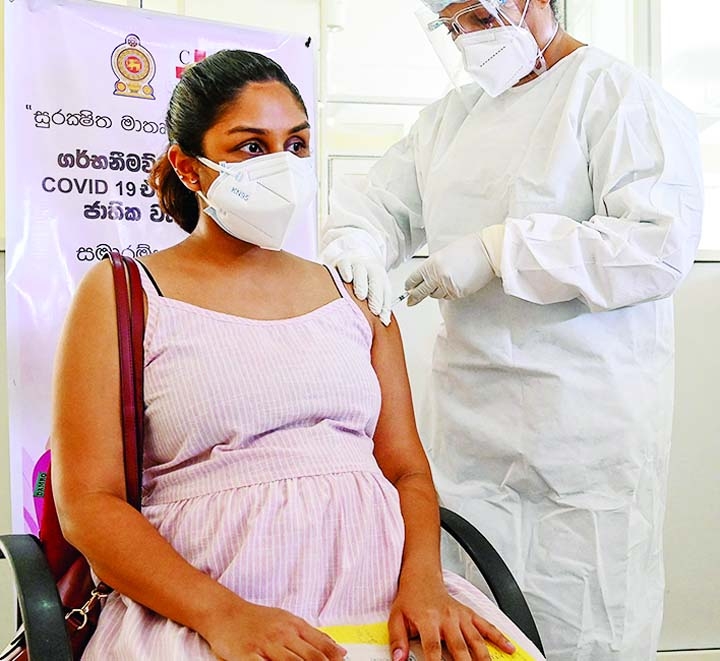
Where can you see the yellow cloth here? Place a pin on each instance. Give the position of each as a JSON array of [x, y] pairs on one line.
[[369, 641]]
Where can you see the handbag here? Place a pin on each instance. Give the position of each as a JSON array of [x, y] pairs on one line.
[[80, 597]]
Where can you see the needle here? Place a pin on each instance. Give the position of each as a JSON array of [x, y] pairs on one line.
[[400, 299]]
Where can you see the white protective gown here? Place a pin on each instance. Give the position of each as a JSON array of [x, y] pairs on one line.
[[552, 389]]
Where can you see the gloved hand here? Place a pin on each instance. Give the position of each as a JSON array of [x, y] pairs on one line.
[[461, 268], [370, 281]]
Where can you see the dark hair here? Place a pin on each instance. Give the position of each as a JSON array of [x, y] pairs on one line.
[[202, 95]]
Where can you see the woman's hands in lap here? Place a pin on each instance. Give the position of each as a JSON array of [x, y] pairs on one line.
[[430, 613], [259, 632]]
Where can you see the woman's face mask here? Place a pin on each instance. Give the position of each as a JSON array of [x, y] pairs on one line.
[[497, 58], [259, 199]]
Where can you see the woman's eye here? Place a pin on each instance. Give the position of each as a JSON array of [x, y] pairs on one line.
[[483, 21], [253, 148], [297, 147]]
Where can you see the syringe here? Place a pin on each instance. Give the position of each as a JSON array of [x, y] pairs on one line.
[[400, 299]]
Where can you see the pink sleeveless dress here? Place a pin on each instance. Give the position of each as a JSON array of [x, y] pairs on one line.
[[259, 471]]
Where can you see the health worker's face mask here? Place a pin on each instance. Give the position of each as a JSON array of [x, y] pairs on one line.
[[497, 58], [258, 200]]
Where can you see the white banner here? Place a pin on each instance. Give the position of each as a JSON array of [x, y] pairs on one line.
[[86, 90]]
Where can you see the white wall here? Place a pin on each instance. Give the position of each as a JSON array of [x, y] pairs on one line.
[[692, 527], [700, 655], [382, 54]]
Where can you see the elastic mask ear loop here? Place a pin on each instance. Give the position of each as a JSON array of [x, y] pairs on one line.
[[208, 209], [524, 14], [540, 64], [213, 166], [509, 21], [203, 197], [218, 167]]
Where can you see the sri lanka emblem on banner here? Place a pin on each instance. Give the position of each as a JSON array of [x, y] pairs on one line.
[[134, 67]]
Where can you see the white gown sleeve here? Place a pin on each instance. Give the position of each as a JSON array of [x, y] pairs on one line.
[[646, 176], [381, 215]]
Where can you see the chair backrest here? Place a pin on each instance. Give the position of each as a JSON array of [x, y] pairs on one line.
[[502, 584]]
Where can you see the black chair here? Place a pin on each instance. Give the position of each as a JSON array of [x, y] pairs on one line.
[[41, 612], [498, 577]]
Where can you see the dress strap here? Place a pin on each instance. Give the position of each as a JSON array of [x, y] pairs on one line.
[[147, 276], [339, 284], [345, 294]]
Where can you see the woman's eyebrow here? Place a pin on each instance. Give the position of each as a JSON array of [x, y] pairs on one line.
[[300, 127], [247, 129], [257, 131]]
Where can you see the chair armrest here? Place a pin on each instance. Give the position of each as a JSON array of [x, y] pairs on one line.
[[40, 606], [500, 580]]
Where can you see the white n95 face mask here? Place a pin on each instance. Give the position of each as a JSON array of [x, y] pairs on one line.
[[258, 200], [497, 58]]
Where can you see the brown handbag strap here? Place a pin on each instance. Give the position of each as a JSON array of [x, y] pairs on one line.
[[129, 304]]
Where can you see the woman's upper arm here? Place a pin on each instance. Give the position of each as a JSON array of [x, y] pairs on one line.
[[86, 436], [398, 449]]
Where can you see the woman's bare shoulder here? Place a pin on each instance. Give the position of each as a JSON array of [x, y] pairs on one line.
[[97, 281]]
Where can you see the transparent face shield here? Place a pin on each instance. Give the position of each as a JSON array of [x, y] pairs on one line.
[[442, 31], [481, 15]]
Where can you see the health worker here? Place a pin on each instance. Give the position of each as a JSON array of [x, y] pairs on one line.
[[560, 196]]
